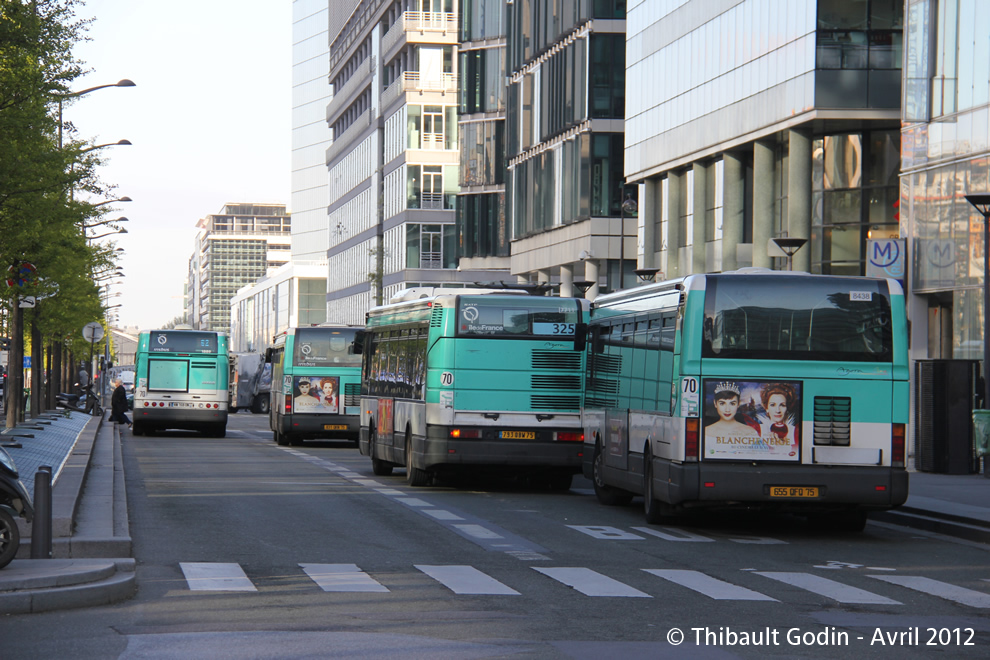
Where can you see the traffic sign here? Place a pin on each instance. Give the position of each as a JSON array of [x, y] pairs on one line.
[[92, 332]]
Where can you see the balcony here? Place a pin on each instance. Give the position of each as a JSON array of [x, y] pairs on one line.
[[348, 92], [410, 81], [348, 136], [430, 27]]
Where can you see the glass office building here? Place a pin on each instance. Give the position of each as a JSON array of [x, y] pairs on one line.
[[945, 157], [754, 120]]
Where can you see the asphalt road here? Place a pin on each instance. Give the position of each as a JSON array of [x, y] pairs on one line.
[[249, 550]]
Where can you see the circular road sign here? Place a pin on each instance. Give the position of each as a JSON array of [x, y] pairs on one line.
[[92, 332]]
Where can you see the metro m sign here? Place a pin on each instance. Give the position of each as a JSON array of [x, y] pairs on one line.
[[885, 258]]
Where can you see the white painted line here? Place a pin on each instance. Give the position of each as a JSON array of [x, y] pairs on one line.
[[674, 534], [479, 531], [707, 585], [412, 501], [944, 590], [342, 577], [350, 475], [606, 532], [591, 583], [829, 588], [367, 482], [205, 576], [441, 514], [757, 540], [389, 491], [467, 580]]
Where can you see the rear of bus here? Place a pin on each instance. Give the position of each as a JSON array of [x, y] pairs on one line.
[[801, 393], [181, 382], [316, 385], [505, 384]]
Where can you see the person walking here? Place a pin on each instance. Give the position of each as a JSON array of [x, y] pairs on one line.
[[118, 403]]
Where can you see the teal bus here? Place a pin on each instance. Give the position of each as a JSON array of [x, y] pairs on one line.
[[468, 380], [752, 388], [181, 381], [316, 384]]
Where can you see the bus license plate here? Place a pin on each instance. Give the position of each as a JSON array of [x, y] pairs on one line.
[[518, 435], [793, 491], [335, 427]]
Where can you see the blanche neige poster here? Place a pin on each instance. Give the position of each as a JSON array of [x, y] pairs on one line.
[[752, 420]]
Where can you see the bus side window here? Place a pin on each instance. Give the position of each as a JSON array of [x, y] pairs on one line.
[[665, 377]]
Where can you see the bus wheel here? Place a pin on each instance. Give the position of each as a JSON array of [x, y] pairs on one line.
[[378, 466], [607, 495], [657, 512], [281, 439], [414, 476], [560, 480], [220, 431], [137, 429]]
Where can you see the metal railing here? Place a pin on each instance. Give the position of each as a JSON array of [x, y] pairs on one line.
[[434, 22]]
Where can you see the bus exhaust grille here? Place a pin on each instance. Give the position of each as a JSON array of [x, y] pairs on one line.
[[544, 402], [436, 317], [556, 360], [603, 385], [555, 382], [833, 420], [352, 394], [606, 364]]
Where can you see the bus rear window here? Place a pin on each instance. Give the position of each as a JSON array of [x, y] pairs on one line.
[[517, 316], [318, 347], [165, 341], [797, 318]]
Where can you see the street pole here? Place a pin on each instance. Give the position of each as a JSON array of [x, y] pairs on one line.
[[982, 204]]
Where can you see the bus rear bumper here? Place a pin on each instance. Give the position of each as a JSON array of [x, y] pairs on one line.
[[869, 487], [320, 426], [442, 451], [171, 419]]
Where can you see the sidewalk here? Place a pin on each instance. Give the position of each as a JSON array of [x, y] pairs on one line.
[[91, 546], [92, 562]]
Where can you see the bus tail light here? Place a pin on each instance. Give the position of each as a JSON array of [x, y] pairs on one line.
[[465, 433], [570, 436], [288, 403], [691, 426], [897, 445]]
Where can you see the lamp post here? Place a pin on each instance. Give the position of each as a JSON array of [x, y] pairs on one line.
[[122, 230], [789, 246], [981, 202], [106, 222]]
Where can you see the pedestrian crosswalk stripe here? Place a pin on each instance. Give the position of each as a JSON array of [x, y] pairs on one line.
[[707, 585], [204, 576], [467, 580], [591, 583], [342, 577], [951, 592], [829, 588]]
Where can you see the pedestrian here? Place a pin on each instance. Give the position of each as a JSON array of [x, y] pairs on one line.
[[83, 378], [118, 403]]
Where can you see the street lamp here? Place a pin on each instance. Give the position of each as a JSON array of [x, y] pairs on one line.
[[789, 246], [120, 83], [982, 203], [647, 274], [122, 230], [112, 201], [118, 143], [106, 222]]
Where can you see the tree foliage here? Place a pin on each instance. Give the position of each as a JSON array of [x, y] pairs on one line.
[[41, 171]]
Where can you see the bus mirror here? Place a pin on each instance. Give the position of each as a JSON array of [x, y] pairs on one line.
[[357, 346], [268, 356], [580, 336]]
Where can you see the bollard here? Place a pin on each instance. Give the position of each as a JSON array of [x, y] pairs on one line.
[[41, 527]]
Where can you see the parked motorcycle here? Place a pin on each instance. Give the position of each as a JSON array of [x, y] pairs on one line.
[[14, 502], [90, 404]]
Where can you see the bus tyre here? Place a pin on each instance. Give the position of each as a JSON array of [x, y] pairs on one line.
[[657, 512], [220, 431], [378, 466], [414, 476], [137, 429], [607, 495], [10, 537], [560, 481], [281, 439]]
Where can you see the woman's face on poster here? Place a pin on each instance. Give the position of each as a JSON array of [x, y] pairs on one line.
[[777, 408], [727, 407]]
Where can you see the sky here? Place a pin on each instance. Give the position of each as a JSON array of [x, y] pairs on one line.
[[209, 121]]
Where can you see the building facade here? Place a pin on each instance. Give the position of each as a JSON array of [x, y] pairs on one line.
[[565, 106], [310, 133], [234, 248], [393, 161], [946, 155], [751, 120]]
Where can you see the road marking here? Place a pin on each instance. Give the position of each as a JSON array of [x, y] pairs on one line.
[[467, 580], [441, 514], [941, 589], [479, 531], [591, 583], [605, 532], [673, 534], [757, 540], [389, 491], [412, 501], [205, 576], [829, 588], [707, 585], [342, 577]]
